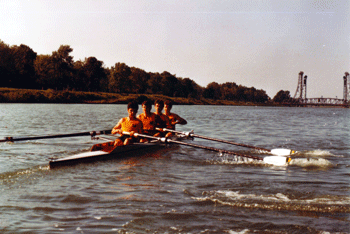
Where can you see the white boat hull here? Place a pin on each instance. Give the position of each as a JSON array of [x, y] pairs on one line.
[[99, 155]]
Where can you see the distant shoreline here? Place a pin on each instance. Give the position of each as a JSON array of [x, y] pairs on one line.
[[13, 95]]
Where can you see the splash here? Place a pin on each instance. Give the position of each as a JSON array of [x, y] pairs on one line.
[[241, 232], [313, 159], [234, 160], [318, 153], [311, 162]]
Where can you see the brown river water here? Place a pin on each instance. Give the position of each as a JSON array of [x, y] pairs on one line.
[[178, 189]]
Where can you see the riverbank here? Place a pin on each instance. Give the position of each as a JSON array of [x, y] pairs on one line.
[[12, 95]]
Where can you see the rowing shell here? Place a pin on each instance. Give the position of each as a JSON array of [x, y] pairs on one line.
[[100, 155]]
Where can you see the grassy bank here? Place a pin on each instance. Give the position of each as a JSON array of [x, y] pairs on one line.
[[11, 95]]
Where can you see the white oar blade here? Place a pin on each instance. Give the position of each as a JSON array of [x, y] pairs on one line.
[[282, 152], [276, 160]]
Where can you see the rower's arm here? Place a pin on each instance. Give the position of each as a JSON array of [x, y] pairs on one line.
[[179, 120], [182, 121], [118, 128]]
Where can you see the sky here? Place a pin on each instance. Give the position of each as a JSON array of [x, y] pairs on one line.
[[254, 43]]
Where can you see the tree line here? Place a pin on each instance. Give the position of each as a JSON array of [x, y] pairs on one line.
[[21, 67]]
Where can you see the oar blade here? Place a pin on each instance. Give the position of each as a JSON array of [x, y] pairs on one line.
[[282, 152], [276, 160]]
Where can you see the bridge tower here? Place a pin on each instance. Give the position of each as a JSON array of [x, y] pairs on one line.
[[304, 89], [346, 87], [300, 93]]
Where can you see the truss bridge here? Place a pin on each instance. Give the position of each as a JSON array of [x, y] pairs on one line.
[[300, 97]]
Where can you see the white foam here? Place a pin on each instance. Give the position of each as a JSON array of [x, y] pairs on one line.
[[237, 196], [311, 162], [241, 232], [318, 152], [278, 197], [234, 159]]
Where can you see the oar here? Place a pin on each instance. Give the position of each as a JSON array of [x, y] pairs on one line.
[[91, 133], [279, 151], [274, 160]]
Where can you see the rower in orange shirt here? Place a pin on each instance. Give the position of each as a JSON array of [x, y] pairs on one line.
[[165, 123], [128, 124], [174, 118], [149, 120]]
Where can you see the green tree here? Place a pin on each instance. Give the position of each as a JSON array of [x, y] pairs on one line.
[[240, 93], [23, 59], [94, 74], [261, 96], [212, 91], [168, 84], [119, 81], [139, 78], [64, 67], [282, 96], [78, 82], [44, 70], [228, 91], [181, 90], [6, 65], [187, 88], [154, 83]]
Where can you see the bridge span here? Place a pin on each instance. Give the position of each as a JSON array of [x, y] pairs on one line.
[[317, 102], [300, 98]]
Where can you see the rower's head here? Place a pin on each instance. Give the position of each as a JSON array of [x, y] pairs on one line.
[[159, 105], [147, 106], [167, 106], [132, 109]]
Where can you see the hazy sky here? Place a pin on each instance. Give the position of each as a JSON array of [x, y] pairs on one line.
[[259, 43]]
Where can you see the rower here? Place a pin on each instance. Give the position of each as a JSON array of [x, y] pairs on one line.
[[174, 118], [128, 124], [165, 122], [149, 120]]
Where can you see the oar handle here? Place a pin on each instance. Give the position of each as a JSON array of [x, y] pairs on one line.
[[188, 134], [191, 134], [91, 133], [161, 139]]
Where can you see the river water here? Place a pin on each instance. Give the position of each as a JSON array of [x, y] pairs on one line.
[[179, 189]]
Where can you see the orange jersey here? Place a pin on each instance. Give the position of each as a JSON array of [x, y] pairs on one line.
[[149, 122], [165, 123], [134, 125]]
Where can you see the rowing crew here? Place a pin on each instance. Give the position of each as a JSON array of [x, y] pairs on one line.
[[145, 123]]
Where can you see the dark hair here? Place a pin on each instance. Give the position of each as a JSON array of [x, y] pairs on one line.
[[160, 102], [168, 103], [147, 103], [133, 105]]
